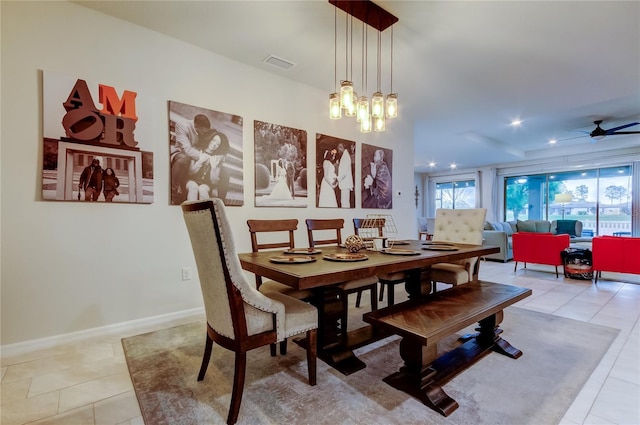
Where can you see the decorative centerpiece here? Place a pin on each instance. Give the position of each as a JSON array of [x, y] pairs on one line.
[[354, 243]]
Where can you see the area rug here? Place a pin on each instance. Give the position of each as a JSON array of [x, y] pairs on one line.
[[559, 356]]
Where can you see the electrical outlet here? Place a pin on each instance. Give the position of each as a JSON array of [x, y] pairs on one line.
[[186, 273]]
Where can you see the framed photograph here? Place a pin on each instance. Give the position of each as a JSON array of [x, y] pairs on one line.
[[281, 165], [377, 191], [94, 142], [335, 168], [205, 151]]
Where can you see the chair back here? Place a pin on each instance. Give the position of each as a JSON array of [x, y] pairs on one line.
[[335, 224], [287, 226], [459, 226], [234, 308], [370, 224]]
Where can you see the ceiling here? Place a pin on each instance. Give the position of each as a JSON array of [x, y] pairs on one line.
[[462, 69]]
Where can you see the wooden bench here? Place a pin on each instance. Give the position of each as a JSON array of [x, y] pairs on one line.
[[423, 322]]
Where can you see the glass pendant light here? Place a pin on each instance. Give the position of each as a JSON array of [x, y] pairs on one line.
[[365, 124], [377, 105], [335, 112], [363, 108], [392, 105], [378, 123], [392, 98], [346, 94]]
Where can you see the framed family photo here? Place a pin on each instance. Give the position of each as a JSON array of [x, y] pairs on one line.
[[335, 168]]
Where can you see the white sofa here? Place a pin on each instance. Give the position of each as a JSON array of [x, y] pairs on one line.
[[499, 234]]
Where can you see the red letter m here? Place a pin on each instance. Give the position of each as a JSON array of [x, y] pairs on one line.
[[112, 104]]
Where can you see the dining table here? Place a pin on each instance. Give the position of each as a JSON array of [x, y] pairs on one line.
[[322, 269]]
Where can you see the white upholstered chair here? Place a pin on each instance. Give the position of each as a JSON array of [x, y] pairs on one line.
[[464, 226], [239, 317]]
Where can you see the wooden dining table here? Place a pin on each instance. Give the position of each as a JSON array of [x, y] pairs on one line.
[[322, 276]]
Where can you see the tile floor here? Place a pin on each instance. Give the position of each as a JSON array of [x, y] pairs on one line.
[[87, 383]]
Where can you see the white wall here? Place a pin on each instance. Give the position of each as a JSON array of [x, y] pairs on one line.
[[67, 266]]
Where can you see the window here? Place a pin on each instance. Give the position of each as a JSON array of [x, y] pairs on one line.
[[456, 194], [599, 198]]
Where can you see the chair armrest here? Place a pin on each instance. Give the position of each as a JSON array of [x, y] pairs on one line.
[[496, 238]]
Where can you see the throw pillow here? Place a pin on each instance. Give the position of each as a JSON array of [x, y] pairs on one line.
[[566, 227], [542, 226], [525, 226], [507, 228]]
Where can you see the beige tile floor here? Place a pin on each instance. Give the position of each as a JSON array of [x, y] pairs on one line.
[[87, 383]]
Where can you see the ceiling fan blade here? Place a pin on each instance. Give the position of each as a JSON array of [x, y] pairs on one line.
[[615, 129], [625, 132]]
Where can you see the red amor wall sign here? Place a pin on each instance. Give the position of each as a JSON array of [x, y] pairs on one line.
[[113, 125]]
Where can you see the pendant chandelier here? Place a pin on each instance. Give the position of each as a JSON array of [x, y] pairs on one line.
[[370, 116]]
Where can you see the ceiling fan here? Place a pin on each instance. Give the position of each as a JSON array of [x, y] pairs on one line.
[[599, 133]]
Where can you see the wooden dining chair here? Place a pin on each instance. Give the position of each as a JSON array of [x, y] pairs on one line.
[[334, 227], [284, 228], [390, 280], [239, 317], [463, 226]]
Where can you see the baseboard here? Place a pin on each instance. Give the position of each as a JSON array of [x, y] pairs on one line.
[[21, 348]]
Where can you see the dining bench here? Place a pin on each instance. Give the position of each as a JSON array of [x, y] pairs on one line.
[[425, 321]]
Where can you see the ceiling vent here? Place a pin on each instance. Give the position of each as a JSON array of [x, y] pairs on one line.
[[279, 62]]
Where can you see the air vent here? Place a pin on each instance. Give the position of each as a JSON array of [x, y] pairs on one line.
[[279, 62]]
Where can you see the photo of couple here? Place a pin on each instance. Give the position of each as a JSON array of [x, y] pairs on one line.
[[205, 152], [335, 167]]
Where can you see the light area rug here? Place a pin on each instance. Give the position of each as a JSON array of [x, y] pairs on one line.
[[559, 356]]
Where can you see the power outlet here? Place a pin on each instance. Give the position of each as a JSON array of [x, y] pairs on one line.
[[186, 273]]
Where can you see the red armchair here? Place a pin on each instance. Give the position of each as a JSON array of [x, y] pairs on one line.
[[539, 248], [615, 254]]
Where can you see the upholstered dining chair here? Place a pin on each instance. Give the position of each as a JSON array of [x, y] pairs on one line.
[[463, 226], [239, 317], [284, 228], [390, 280], [334, 226]]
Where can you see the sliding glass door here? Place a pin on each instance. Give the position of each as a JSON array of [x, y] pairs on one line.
[[599, 198]]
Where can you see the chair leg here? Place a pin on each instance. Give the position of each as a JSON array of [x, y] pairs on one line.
[[358, 298], [208, 346], [391, 295], [272, 348], [515, 266], [312, 347], [238, 387], [374, 297], [382, 292], [283, 347]]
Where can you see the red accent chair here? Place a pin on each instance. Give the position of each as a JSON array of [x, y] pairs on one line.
[[538, 248], [615, 254]]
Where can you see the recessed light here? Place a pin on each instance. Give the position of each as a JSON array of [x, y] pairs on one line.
[[516, 123], [453, 165], [552, 141], [432, 164]]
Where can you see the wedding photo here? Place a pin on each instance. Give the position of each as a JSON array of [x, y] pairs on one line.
[[281, 165], [335, 168]]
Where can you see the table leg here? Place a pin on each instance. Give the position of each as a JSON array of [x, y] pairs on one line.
[[424, 373], [335, 346], [418, 283]]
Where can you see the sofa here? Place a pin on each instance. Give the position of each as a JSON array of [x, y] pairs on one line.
[[615, 254], [500, 233], [539, 248]]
